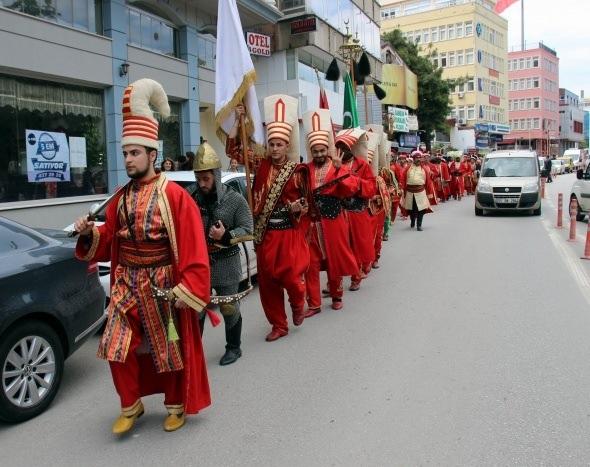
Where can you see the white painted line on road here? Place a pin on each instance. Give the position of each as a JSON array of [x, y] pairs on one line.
[[570, 259]]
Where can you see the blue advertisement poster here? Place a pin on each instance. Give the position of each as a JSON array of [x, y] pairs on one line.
[[48, 156]]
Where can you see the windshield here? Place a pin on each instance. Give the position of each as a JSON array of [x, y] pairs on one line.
[[509, 167]]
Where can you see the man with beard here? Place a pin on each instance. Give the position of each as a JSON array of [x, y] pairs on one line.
[[153, 237], [353, 145], [280, 222], [328, 238], [227, 221], [418, 189]]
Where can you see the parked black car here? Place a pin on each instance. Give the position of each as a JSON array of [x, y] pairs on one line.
[[50, 304]]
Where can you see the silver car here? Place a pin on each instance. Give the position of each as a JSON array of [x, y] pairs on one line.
[[509, 181]]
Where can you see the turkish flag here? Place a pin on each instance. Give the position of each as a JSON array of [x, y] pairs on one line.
[[323, 99], [501, 5]]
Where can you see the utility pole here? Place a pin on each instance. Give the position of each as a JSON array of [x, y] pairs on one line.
[[522, 43]]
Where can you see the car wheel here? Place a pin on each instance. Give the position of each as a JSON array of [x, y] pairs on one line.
[[31, 368], [478, 212], [579, 214], [537, 212]]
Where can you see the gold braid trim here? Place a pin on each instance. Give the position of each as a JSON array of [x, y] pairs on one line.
[[189, 298], [93, 245], [272, 199]]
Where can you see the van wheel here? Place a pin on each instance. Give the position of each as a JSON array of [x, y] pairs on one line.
[[31, 367], [537, 212], [478, 212]]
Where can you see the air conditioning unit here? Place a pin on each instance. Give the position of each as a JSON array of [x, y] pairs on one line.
[[461, 121], [461, 95]]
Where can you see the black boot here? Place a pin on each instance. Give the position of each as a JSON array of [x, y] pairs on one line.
[[233, 342], [412, 221]]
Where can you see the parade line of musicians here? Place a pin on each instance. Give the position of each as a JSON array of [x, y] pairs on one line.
[[169, 251]]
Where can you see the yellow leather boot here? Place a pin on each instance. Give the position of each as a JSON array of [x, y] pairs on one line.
[[127, 418], [175, 418]]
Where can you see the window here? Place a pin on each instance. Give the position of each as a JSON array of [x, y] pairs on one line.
[[38, 105], [468, 28], [521, 64], [153, 33], [451, 58], [460, 58], [535, 82], [435, 61], [206, 51], [469, 56], [15, 238], [459, 30], [471, 85], [529, 62], [418, 36], [536, 103], [434, 34], [443, 60], [535, 62], [80, 14], [461, 113], [471, 112], [442, 33], [426, 36], [451, 32]]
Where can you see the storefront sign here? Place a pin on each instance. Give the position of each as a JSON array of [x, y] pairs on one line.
[[77, 152], [303, 25], [400, 86], [412, 123], [48, 156], [409, 140], [258, 44], [398, 119]]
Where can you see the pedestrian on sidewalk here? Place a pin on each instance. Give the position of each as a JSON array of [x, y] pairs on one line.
[[153, 237]]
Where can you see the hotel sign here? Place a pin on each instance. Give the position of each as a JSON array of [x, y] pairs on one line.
[[258, 44]]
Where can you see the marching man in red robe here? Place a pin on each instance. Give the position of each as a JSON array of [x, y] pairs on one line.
[[153, 237], [329, 183], [467, 172], [419, 190], [280, 222], [353, 144]]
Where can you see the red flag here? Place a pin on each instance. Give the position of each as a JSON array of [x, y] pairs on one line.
[[501, 5], [323, 99]]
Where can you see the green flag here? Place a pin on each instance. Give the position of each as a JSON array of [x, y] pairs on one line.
[[351, 117]]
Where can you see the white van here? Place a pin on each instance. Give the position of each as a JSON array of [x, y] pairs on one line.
[[509, 181]]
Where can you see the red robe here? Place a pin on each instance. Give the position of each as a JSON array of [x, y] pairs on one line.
[[467, 174], [457, 183], [190, 262], [361, 225], [282, 255], [329, 241]]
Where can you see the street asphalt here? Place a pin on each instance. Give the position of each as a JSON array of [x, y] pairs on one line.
[[468, 347]]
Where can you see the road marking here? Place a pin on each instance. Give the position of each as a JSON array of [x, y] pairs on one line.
[[571, 260]]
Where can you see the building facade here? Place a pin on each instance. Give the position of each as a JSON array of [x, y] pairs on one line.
[[64, 65], [533, 99], [571, 113], [467, 40]]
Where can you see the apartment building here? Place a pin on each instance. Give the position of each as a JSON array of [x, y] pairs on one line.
[[467, 39], [533, 99], [571, 113]]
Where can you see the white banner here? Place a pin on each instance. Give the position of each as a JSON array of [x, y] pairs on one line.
[[77, 151], [48, 156], [412, 123]]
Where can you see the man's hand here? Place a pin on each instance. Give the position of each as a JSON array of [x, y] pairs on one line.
[[216, 231], [298, 206], [337, 159], [240, 110], [83, 226]]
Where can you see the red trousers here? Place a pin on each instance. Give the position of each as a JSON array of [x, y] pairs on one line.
[[312, 279], [379, 225], [282, 259], [137, 376]]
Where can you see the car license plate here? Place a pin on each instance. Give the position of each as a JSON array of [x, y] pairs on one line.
[[506, 200]]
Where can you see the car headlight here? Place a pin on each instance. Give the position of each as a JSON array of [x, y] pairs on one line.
[[531, 187], [484, 187]]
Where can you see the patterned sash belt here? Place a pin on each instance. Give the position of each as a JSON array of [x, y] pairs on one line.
[[279, 220], [144, 254], [329, 206], [354, 204], [415, 188]]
